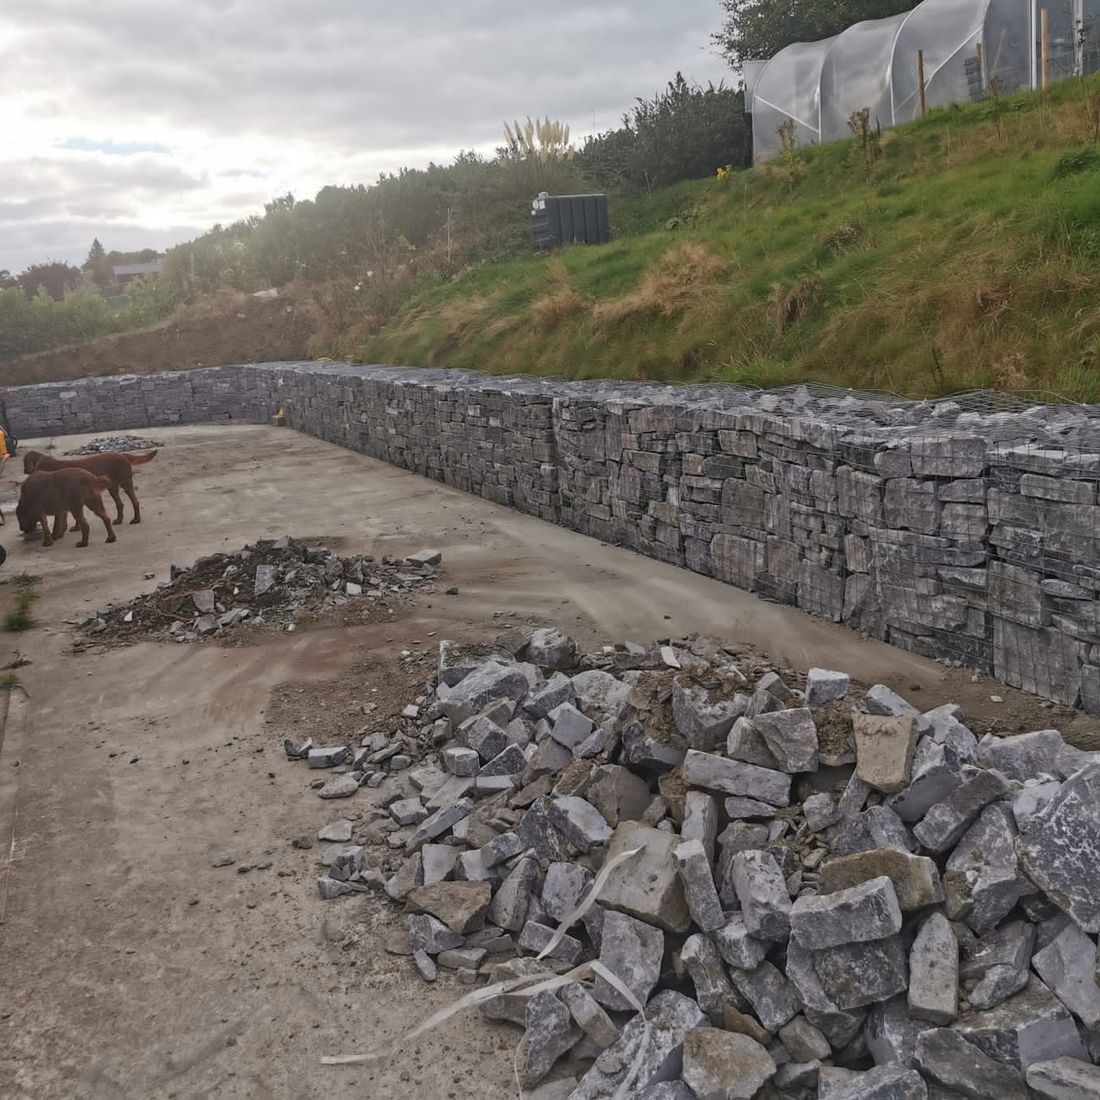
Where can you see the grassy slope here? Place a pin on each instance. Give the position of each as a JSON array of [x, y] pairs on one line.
[[966, 255]]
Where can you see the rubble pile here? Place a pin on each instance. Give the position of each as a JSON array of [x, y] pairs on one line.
[[115, 443], [813, 890], [279, 582]]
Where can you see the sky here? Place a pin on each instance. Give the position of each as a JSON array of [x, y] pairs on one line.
[[145, 122]]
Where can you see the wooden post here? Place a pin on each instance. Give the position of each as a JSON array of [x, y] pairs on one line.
[[920, 78], [1044, 46], [981, 67]]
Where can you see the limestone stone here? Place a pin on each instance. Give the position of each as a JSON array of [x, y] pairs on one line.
[[698, 882], [824, 686], [857, 914], [943, 1055], [791, 737], [884, 750], [722, 1065], [432, 936], [588, 1015], [617, 793], [536, 937], [857, 974], [891, 1032], [461, 906], [441, 822], [713, 988], [875, 827], [648, 885], [512, 900], [570, 728], [737, 946], [735, 777], [1068, 966], [579, 822], [1060, 849], [803, 1041], [549, 1034], [632, 950], [486, 684], [880, 1083], [916, 879], [700, 820], [745, 742], [882, 700], [1022, 756], [944, 824], [1064, 1079], [934, 972], [774, 999], [670, 1016], [762, 891], [703, 721], [563, 888], [549, 648]]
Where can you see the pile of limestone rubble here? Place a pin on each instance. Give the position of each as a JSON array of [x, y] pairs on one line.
[[832, 895], [280, 582], [115, 443]]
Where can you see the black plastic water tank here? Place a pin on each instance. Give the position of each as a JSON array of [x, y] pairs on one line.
[[569, 219]]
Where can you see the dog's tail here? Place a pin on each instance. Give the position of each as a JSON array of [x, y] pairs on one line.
[[138, 460], [102, 483]]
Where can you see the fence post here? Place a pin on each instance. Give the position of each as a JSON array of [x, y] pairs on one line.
[[1044, 46], [981, 73], [920, 78]]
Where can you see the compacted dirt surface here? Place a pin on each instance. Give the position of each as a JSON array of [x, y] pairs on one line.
[[132, 967]]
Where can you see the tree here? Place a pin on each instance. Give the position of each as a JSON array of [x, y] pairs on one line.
[[54, 277], [754, 30], [96, 266]]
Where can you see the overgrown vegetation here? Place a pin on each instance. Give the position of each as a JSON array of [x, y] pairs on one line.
[[961, 251], [26, 592]]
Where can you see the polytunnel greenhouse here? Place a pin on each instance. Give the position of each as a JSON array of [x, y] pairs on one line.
[[807, 93]]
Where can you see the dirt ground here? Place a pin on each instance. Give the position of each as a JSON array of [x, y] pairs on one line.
[[133, 968]]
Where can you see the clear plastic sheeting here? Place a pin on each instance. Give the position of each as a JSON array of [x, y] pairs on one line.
[[971, 48], [856, 75], [788, 89]]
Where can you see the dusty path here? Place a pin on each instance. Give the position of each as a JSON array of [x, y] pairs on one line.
[[133, 968]]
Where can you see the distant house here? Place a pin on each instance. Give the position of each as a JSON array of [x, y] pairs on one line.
[[124, 273]]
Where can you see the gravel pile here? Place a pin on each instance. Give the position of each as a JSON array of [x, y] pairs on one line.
[[813, 890], [115, 443], [281, 582]]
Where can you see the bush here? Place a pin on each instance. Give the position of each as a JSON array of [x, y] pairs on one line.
[[36, 324]]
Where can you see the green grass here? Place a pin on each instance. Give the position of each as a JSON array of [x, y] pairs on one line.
[[966, 255], [26, 592]]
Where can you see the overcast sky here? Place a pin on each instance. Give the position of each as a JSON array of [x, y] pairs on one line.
[[144, 122]]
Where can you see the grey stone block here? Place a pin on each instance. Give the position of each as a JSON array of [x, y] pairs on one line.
[[868, 911], [934, 972]]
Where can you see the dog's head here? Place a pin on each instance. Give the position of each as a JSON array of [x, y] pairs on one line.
[[31, 460], [26, 520]]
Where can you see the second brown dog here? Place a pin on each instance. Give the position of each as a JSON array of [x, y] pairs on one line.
[[55, 494]]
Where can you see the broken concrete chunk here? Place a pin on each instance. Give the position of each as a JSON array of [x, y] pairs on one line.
[[713, 989], [944, 1056], [716, 773], [737, 946], [916, 879], [946, 821], [550, 1034], [1064, 1079], [773, 998], [698, 882], [1068, 966], [884, 750], [722, 1065], [824, 686], [791, 737], [579, 822], [670, 1016], [868, 911], [762, 891], [646, 886], [857, 974], [881, 700], [1033, 1026], [461, 906], [1022, 756], [704, 722], [934, 972], [632, 950], [1060, 849], [982, 882]]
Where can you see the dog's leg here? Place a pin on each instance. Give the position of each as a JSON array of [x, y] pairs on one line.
[[44, 519], [82, 523], [116, 496], [96, 505], [60, 522], [128, 485]]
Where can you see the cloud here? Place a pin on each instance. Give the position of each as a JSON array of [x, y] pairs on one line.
[[154, 110]]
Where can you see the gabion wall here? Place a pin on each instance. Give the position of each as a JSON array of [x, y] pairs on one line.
[[955, 529]]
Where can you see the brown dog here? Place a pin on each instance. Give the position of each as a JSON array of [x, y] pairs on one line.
[[117, 467], [57, 493]]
